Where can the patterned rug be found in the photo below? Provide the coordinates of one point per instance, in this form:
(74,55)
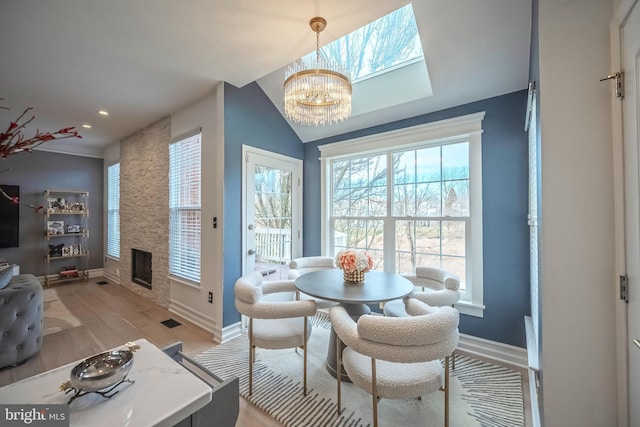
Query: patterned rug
(57,316)
(482,394)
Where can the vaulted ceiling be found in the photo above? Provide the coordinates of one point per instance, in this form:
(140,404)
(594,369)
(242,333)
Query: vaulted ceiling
(142,60)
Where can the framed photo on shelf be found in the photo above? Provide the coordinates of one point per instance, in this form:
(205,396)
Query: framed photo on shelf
(56,250)
(73,228)
(55,227)
(56,204)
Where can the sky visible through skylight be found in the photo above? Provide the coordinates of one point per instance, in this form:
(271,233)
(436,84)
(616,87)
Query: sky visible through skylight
(383,45)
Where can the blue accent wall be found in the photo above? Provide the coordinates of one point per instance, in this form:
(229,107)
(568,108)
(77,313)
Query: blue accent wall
(505,206)
(36,172)
(249,119)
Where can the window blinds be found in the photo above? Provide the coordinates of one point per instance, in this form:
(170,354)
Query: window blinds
(113,210)
(184,208)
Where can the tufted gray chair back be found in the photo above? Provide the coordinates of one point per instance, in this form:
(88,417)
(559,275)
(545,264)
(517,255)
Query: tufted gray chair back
(21,316)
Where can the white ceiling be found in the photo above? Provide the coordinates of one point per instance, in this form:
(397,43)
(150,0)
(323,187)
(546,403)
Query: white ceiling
(144,59)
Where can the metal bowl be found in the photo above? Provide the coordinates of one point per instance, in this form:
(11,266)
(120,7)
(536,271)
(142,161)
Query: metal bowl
(102,370)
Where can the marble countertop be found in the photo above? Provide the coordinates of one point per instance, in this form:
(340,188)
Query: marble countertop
(164,393)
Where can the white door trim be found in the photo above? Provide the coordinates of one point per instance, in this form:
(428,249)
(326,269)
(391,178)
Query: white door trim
(622,368)
(248,150)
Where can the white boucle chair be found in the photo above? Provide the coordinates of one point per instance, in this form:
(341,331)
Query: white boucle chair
(273,324)
(397,357)
(300,266)
(434,286)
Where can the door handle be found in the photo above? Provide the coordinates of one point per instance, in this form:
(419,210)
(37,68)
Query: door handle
(251,252)
(636,342)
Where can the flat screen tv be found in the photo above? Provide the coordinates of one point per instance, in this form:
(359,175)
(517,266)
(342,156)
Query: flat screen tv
(9,217)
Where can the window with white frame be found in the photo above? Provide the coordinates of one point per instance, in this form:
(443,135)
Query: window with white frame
(184,208)
(410,197)
(113,210)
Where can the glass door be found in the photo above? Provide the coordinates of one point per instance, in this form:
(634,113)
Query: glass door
(272,224)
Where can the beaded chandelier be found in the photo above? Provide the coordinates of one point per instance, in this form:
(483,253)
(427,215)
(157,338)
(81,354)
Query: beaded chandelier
(320,95)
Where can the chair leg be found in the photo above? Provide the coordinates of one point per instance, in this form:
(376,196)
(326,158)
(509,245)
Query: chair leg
(251,356)
(339,375)
(304,339)
(374,392)
(453,360)
(446,392)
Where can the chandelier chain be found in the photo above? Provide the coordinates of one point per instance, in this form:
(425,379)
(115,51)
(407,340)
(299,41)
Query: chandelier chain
(317,46)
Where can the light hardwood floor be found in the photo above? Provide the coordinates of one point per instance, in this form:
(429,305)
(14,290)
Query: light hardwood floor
(112,315)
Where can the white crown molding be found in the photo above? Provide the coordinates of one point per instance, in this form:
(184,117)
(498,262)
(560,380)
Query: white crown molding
(71,150)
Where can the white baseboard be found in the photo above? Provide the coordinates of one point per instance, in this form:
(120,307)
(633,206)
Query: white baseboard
(494,350)
(112,277)
(195,317)
(96,272)
(231,331)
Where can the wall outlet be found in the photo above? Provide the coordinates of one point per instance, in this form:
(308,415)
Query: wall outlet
(210,298)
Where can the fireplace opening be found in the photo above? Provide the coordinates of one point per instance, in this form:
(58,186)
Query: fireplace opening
(141,268)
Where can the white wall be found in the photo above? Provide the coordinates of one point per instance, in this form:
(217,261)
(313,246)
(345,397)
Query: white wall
(188,301)
(577,287)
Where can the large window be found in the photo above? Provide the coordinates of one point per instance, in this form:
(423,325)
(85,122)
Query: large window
(184,208)
(113,210)
(411,198)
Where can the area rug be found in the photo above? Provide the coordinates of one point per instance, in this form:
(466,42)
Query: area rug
(481,393)
(57,316)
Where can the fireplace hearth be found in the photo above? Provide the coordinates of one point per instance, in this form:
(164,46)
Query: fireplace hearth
(141,268)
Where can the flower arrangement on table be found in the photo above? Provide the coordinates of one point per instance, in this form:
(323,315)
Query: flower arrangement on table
(354,263)
(13,141)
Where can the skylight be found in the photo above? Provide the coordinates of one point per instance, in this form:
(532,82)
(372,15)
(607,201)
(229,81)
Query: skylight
(381,46)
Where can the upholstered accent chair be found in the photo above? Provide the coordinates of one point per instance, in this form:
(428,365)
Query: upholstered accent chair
(21,317)
(273,324)
(434,286)
(300,266)
(397,357)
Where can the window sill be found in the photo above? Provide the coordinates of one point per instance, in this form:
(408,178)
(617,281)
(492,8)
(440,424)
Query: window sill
(469,308)
(112,258)
(185,282)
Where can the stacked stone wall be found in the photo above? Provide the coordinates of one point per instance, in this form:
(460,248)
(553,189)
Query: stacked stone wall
(144,212)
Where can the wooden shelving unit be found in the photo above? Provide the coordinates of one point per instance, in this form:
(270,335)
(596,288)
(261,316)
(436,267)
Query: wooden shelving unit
(66,235)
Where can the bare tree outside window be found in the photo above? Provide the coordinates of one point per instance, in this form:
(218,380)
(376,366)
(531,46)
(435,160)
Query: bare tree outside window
(273,215)
(378,46)
(430,206)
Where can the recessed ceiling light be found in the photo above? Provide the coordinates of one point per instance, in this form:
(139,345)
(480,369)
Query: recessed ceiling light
(86,125)
(103,112)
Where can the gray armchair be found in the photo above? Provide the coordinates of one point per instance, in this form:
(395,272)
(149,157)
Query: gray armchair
(21,316)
